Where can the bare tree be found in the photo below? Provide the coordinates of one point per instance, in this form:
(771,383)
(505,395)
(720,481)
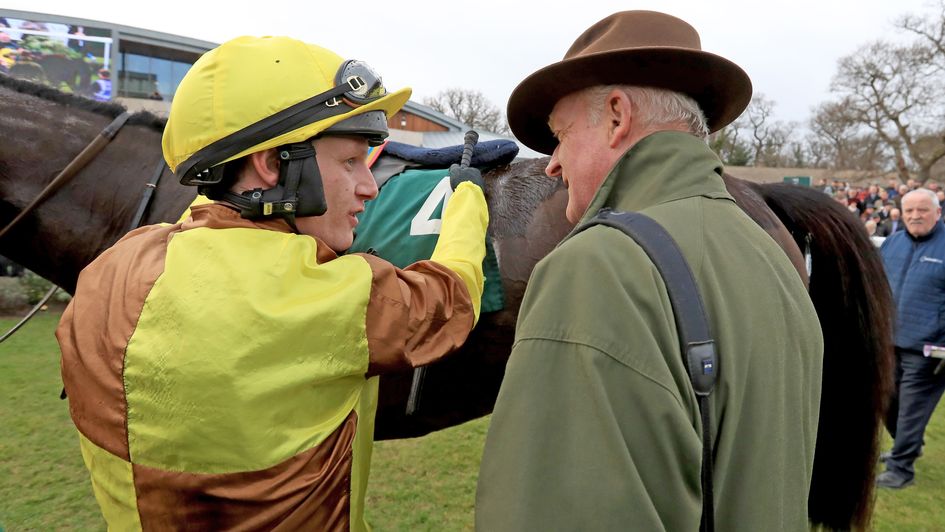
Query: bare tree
(895,91)
(840,141)
(818,152)
(469,107)
(767,138)
(727,143)
(799,155)
(930,31)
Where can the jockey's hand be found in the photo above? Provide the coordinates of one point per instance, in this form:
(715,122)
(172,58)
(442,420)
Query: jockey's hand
(458,175)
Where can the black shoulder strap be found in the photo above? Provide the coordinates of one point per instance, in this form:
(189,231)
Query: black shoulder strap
(696,343)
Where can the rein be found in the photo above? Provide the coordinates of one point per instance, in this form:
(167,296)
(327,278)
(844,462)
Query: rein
(71,169)
(79,162)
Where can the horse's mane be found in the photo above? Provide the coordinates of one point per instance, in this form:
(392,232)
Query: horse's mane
(142,118)
(854,304)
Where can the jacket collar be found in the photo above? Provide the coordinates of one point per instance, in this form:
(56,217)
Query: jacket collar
(936,229)
(662,167)
(221,216)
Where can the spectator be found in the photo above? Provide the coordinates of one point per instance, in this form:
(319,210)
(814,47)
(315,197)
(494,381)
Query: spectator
(871,226)
(915,266)
(883,195)
(841,198)
(903,190)
(891,224)
(853,200)
(77,42)
(884,209)
(892,188)
(872,195)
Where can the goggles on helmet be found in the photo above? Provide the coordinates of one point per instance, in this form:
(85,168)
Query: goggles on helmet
(366,85)
(356,84)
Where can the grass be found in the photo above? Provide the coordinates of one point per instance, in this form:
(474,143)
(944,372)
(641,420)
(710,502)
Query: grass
(426,483)
(43,484)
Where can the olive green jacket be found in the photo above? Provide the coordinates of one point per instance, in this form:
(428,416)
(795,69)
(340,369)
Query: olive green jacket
(596,426)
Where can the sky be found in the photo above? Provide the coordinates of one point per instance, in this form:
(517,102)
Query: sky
(790,49)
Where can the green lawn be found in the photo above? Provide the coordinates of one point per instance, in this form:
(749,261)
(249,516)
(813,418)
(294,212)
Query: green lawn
(421,484)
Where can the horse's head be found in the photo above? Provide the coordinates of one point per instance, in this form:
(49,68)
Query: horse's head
(526,210)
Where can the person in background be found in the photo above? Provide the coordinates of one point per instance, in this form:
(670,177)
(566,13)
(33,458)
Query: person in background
(853,200)
(872,195)
(871,226)
(892,187)
(891,224)
(597,426)
(902,191)
(882,209)
(914,260)
(223,372)
(883,195)
(101,88)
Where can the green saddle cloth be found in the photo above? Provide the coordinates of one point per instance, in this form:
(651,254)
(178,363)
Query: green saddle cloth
(402,226)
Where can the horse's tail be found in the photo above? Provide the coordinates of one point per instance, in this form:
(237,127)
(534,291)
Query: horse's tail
(854,304)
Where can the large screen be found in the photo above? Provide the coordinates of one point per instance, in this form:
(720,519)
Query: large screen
(70,58)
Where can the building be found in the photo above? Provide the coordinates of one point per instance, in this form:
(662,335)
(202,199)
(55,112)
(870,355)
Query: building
(141,70)
(420,125)
(138,68)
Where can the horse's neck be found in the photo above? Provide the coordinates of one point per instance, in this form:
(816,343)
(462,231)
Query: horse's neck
(92,209)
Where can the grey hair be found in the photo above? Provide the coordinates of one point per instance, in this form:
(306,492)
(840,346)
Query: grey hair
(926,192)
(659,107)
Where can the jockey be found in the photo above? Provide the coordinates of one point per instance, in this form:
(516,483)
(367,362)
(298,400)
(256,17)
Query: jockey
(223,372)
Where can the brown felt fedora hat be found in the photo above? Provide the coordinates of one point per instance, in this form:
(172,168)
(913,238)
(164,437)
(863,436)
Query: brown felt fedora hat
(642,48)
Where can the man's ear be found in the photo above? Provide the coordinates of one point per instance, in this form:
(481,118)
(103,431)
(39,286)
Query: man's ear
(619,114)
(266,165)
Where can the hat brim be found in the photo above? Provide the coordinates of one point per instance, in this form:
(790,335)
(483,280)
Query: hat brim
(720,87)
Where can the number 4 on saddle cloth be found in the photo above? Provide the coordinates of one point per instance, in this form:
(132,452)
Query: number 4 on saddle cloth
(402,224)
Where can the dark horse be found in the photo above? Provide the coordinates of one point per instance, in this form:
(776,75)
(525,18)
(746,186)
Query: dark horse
(44,130)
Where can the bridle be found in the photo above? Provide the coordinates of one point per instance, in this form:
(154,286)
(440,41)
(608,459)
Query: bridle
(74,167)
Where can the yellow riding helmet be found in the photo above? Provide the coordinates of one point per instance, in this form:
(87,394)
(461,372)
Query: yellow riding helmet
(255,93)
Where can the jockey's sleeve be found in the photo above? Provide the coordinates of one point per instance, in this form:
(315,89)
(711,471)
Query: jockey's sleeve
(462,243)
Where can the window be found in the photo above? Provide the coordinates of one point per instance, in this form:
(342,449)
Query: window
(147,71)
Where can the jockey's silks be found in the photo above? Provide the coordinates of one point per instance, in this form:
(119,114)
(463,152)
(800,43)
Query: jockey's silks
(221,371)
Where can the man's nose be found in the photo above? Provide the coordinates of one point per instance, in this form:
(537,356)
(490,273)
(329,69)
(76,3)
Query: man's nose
(366,186)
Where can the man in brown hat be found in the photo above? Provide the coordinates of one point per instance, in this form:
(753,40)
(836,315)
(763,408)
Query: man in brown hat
(597,426)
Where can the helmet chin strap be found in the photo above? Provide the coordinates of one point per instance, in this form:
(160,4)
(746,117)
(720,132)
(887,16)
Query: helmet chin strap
(298,193)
